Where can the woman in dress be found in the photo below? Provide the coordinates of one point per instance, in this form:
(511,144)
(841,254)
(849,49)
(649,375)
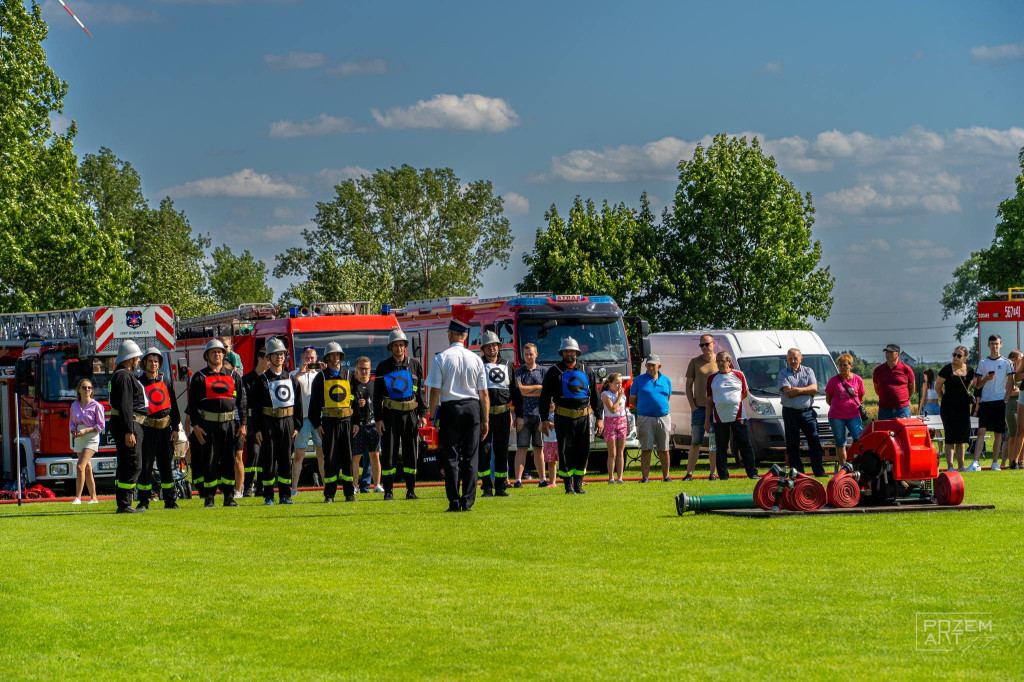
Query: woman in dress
(953,388)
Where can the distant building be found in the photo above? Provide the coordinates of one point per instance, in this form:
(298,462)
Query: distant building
(908,359)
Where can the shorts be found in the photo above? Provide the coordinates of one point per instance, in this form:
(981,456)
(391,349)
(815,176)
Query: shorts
(992,416)
(615,428)
(90,441)
(366,441)
(1011,417)
(653,432)
(530,435)
(930,409)
(305,433)
(550,451)
(840,427)
(697,425)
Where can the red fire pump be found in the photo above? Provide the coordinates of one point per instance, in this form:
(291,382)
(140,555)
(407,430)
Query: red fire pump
(893,462)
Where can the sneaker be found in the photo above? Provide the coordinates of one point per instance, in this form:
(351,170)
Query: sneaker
(667,479)
(295,492)
(501,493)
(518,484)
(238,495)
(388,497)
(287,500)
(688,477)
(77,500)
(249,492)
(268,502)
(378,488)
(619,482)
(995,466)
(230,502)
(364,490)
(411,495)
(94,501)
(644,479)
(328,500)
(611,481)
(209,504)
(543,483)
(349,498)
(974,466)
(712,477)
(1014,465)
(948,469)
(962,469)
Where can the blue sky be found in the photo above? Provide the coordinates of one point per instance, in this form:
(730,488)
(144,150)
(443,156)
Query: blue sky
(903,119)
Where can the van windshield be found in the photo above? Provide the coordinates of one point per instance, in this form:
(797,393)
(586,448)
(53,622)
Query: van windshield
(762,372)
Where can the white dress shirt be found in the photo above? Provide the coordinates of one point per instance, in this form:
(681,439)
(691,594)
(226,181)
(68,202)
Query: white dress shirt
(458,372)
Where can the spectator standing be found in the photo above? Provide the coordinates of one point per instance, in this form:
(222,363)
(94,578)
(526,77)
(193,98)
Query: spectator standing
(649,394)
(726,390)
(615,425)
(894,384)
(304,375)
(1012,393)
(844,394)
(365,440)
(551,453)
(697,373)
(799,386)
(87,423)
(991,379)
(955,402)
(231,357)
(530,376)
(929,398)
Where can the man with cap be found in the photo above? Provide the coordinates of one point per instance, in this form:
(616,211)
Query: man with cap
(276,415)
(400,409)
(252,446)
(576,394)
(127,410)
(458,384)
(504,395)
(159,430)
(214,399)
(330,413)
(894,384)
(649,395)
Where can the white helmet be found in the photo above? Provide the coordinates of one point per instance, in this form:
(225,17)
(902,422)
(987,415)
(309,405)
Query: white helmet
(334,347)
(397,335)
(276,345)
(215,344)
(127,350)
(568,343)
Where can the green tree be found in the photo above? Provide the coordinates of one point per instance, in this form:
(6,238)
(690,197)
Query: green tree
(330,276)
(420,234)
(615,251)
(55,256)
(237,279)
(987,272)
(741,247)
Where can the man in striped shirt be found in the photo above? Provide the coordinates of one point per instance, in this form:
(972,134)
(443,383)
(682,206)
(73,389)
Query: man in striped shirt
(726,390)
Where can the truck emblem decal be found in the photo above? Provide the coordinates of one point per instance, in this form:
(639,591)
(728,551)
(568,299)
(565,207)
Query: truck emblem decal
(133,318)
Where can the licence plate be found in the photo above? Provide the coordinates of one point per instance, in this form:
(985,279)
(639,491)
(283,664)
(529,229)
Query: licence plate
(108,465)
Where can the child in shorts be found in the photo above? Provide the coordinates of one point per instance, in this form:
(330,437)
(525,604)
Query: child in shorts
(614,399)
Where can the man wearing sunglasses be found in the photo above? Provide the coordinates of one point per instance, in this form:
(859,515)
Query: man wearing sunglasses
(894,384)
(697,373)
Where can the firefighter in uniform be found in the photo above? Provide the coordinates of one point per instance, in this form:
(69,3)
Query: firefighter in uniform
(276,415)
(252,446)
(458,383)
(575,392)
(159,430)
(214,398)
(330,413)
(401,410)
(127,410)
(504,394)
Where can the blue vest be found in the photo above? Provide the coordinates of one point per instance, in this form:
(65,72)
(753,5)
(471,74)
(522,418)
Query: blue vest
(575,385)
(399,384)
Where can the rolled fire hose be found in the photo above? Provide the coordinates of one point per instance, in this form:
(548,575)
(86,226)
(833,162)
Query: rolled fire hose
(807,494)
(764,490)
(843,491)
(685,503)
(949,488)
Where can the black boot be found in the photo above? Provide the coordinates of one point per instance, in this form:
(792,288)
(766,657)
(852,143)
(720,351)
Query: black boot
(501,486)
(569,489)
(143,504)
(410,488)
(487,487)
(577,484)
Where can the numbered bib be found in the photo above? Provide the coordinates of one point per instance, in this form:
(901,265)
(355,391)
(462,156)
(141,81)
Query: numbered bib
(282,393)
(337,393)
(220,387)
(157,397)
(497,375)
(574,385)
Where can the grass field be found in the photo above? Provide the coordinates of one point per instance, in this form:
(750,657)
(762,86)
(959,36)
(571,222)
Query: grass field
(540,585)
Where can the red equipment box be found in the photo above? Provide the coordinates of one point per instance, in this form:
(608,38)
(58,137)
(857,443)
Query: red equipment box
(904,442)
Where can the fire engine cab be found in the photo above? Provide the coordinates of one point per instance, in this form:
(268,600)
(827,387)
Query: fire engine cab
(42,357)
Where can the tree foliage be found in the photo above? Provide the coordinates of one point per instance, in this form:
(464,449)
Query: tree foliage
(404,234)
(55,255)
(740,243)
(615,251)
(236,279)
(991,270)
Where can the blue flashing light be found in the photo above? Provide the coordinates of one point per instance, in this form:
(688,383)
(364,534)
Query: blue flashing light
(602,299)
(385,309)
(528,300)
(293,311)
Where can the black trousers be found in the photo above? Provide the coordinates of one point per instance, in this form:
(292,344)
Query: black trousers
(275,463)
(129,462)
(741,439)
(156,447)
(400,432)
(197,464)
(460,448)
(798,421)
(337,456)
(219,453)
(573,435)
(495,447)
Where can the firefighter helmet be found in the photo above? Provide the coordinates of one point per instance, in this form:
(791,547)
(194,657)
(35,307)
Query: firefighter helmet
(127,350)
(489,338)
(568,343)
(334,347)
(276,345)
(153,350)
(215,344)
(397,335)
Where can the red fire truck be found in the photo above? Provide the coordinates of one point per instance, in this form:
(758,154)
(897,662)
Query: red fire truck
(42,357)
(543,319)
(1005,318)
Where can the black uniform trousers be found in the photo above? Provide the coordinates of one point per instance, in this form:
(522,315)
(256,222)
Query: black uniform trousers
(218,452)
(337,441)
(460,448)
(400,431)
(737,430)
(573,435)
(495,447)
(276,454)
(129,462)
(156,447)
(197,464)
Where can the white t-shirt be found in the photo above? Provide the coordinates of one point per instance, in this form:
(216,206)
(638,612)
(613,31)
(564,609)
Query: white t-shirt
(459,374)
(550,437)
(305,383)
(612,397)
(996,388)
(727,389)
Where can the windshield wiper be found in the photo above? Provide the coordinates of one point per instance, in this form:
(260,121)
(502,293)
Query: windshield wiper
(764,391)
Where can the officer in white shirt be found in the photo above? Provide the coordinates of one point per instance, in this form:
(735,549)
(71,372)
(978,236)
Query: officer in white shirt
(458,382)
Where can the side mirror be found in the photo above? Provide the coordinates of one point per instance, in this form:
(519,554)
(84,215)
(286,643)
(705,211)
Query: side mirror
(645,345)
(22,376)
(417,347)
(645,328)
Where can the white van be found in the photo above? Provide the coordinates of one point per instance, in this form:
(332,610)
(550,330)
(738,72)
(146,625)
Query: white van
(760,355)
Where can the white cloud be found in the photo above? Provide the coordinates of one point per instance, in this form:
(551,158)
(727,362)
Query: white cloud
(97,14)
(295,60)
(772,67)
(360,68)
(516,204)
(998,54)
(58,123)
(981,140)
(870,246)
(283,212)
(452,112)
(244,183)
(327,178)
(318,125)
(868,201)
(920,249)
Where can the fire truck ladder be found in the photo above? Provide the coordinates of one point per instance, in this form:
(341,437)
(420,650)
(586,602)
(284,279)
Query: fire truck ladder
(247,312)
(51,324)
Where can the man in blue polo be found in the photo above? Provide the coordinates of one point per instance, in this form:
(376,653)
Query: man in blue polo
(798,386)
(649,394)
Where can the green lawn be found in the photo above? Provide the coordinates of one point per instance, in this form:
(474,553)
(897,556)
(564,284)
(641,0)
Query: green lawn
(540,585)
